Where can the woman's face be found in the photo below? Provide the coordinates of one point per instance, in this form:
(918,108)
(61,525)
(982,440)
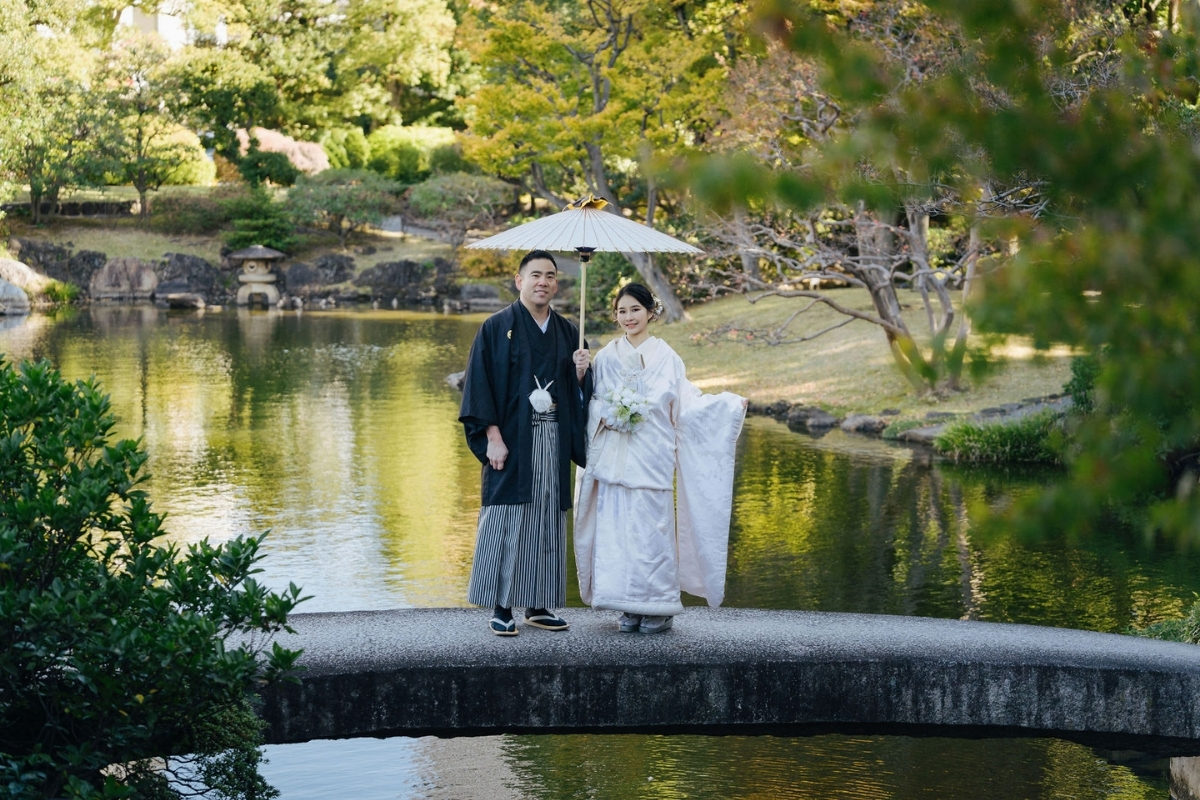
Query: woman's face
(632,316)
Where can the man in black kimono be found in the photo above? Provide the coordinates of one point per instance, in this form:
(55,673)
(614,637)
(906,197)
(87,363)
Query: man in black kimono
(524,408)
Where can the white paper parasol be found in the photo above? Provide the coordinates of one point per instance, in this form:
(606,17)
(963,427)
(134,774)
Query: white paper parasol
(585,227)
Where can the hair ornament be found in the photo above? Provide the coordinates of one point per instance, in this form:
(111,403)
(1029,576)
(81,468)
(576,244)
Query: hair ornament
(657,311)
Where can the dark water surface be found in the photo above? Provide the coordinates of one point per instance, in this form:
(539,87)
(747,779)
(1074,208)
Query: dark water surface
(337,432)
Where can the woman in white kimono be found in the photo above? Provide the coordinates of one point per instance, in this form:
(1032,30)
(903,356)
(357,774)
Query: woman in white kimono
(652,508)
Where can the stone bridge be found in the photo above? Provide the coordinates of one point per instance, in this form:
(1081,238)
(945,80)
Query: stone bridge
(440,672)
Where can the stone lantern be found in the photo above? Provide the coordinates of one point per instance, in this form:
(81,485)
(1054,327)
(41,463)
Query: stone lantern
(256,276)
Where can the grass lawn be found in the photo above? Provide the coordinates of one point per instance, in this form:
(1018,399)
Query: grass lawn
(849,369)
(117,237)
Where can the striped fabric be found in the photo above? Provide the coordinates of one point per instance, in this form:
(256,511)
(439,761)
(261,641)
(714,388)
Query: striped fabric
(521,550)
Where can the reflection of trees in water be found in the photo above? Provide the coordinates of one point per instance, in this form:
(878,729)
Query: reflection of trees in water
(893,532)
(623,767)
(339,424)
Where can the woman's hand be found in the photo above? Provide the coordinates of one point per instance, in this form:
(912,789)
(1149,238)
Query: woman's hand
(583,360)
(745,403)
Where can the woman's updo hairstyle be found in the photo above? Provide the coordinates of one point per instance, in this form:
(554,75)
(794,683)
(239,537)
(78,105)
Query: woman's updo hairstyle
(642,295)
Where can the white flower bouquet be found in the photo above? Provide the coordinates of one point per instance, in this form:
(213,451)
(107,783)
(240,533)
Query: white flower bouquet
(624,409)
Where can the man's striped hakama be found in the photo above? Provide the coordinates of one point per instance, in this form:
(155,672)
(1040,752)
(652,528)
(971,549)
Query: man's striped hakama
(521,549)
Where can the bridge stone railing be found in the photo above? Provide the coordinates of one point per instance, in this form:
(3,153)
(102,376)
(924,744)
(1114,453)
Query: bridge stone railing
(439,671)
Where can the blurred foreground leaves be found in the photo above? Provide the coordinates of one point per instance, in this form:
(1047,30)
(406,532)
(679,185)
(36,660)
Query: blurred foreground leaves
(1092,108)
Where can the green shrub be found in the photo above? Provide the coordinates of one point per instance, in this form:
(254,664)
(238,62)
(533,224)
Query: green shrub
(259,166)
(456,202)
(898,427)
(404,153)
(449,158)
(115,646)
(347,148)
(183,214)
(343,200)
(1030,439)
(1082,384)
(1184,629)
(61,293)
(487,263)
(199,213)
(195,167)
(258,219)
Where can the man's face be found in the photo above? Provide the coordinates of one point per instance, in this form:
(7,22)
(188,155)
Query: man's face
(538,283)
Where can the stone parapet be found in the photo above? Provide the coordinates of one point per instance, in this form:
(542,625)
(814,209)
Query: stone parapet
(440,671)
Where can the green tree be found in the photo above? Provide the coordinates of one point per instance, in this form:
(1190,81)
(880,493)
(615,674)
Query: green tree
(57,133)
(331,65)
(115,648)
(343,201)
(222,91)
(1095,103)
(143,96)
(576,93)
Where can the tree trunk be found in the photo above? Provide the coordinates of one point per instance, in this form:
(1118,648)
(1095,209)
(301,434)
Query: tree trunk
(939,328)
(958,352)
(749,261)
(35,206)
(918,246)
(51,197)
(876,251)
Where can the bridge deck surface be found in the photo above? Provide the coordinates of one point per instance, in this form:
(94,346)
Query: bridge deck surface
(440,671)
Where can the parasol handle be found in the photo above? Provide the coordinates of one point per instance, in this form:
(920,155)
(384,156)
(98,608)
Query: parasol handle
(585,255)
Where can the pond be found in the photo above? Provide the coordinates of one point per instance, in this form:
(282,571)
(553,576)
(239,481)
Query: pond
(337,432)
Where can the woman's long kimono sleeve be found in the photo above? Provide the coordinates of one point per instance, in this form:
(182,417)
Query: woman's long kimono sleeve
(706,442)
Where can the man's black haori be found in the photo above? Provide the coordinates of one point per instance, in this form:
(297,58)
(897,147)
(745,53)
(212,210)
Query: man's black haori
(500,376)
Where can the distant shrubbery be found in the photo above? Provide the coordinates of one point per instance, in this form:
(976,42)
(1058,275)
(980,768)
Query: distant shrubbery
(253,213)
(487,263)
(259,166)
(1082,385)
(1184,629)
(1031,439)
(199,213)
(347,148)
(258,219)
(195,168)
(343,200)
(456,202)
(406,154)
(447,192)
(187,215)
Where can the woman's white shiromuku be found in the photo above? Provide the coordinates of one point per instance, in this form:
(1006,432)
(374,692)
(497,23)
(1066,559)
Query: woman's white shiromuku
(652,508)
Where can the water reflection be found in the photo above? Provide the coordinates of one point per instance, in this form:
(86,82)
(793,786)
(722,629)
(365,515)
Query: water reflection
(678,767)
(879,528)
(337,432)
